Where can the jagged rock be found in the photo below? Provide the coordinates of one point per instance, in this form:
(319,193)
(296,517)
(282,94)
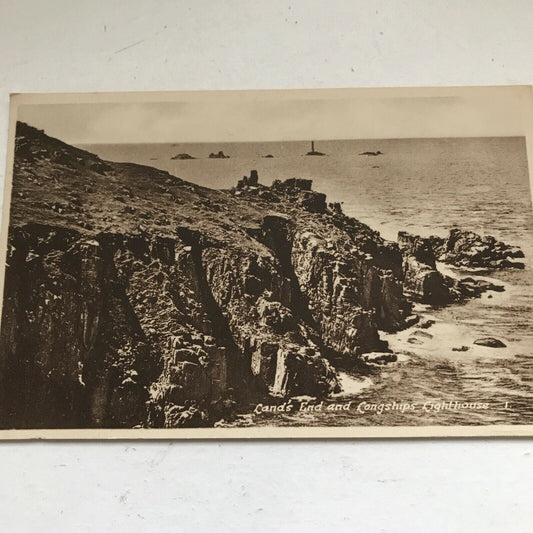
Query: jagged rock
(293,183)
(269,196)
(335,207)
(468,249)
(251,181)
(177,416)
(219,155)
(298,373)
(411,320)
(468,287)
(491,342)
(424,283)
(421,334)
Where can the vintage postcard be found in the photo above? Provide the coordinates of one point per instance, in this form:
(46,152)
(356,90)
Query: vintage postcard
(268,264)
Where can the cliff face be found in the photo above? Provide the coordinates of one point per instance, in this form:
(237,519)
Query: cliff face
(133,298)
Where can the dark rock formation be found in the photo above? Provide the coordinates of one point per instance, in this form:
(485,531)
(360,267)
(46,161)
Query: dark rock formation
(252,181)
(491,342)
(424,283)
(372,153)
(144,300)
(268,156)
(468,249)
(183,156)
(336,207)
(292,184)
(219,155)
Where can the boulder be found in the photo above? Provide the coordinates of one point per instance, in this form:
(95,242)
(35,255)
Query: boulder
(421,334)
(490,342)
(314,202)
(461,349)
(379,358)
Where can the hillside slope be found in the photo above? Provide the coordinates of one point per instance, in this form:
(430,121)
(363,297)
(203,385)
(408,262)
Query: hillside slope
(134,298)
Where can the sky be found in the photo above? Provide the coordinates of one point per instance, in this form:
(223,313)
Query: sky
(278,115)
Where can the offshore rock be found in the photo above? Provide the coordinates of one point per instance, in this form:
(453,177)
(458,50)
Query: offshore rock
(182,156)
(218,155)
(491,342)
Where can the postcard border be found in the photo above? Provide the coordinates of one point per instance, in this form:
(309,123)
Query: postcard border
(263,432)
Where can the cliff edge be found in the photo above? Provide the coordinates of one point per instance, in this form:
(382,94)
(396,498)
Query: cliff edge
(134,298)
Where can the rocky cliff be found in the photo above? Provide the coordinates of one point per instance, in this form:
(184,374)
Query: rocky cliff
(424,283)
(134,298)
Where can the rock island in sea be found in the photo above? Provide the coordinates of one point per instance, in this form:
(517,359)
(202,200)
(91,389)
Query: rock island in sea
(136,299)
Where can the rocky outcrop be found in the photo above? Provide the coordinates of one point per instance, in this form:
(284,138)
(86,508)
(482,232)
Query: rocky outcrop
(251,181)
(468,249)
(424,283)
(183,156)
(344,273)
(134,298)
(491,342)
(300,191)
(219,155)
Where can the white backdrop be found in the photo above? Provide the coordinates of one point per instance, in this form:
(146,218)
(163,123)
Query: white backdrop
(436,485)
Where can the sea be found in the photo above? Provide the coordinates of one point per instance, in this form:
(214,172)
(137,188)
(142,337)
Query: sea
(423,186)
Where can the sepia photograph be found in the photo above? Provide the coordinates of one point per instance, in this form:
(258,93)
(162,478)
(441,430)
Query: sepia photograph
(240,264)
